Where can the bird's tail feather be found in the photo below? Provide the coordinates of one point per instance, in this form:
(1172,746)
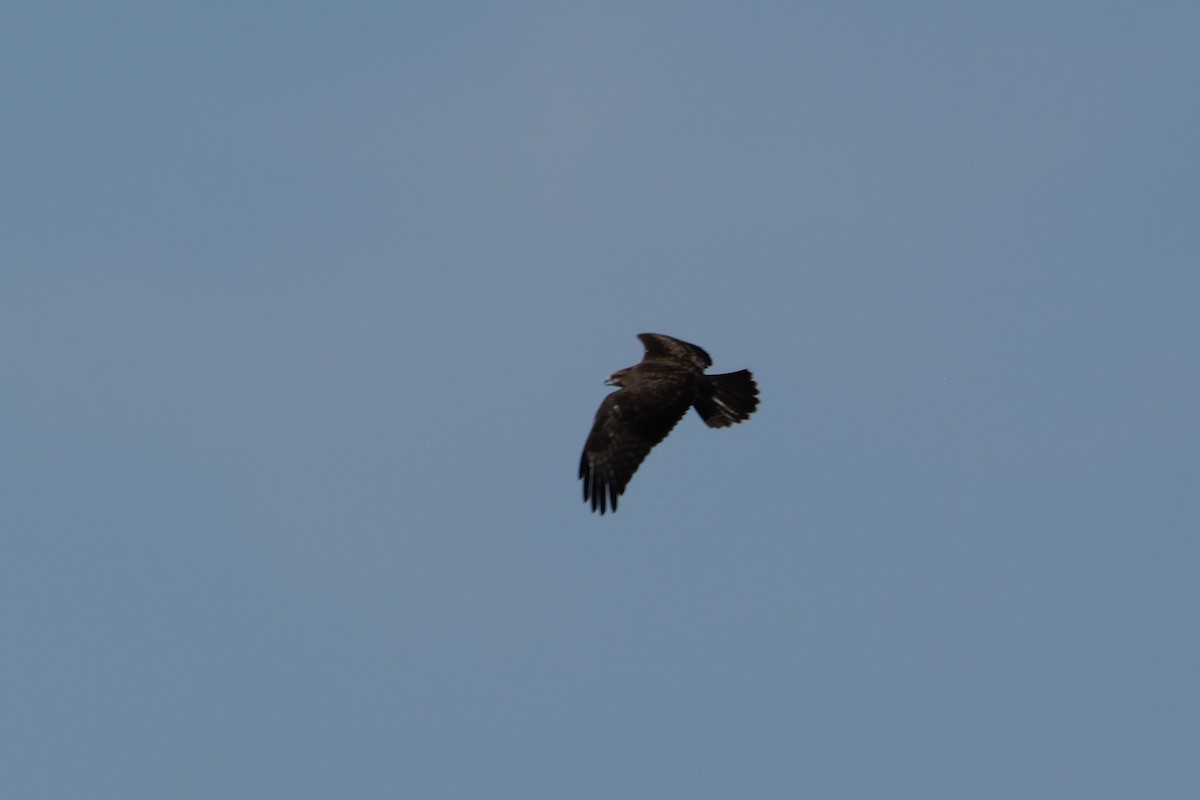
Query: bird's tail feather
(728,398)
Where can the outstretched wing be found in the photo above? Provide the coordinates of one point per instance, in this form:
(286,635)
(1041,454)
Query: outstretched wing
(659,346)
(628,424)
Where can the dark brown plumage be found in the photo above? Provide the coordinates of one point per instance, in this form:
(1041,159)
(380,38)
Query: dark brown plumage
(654,395)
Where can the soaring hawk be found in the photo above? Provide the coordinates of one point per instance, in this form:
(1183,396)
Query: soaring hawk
(654,395)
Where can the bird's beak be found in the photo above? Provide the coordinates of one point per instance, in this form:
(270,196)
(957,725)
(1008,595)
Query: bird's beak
(611,380)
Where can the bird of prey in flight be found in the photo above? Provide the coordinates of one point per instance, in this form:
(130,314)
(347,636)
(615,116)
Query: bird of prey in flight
(654,394)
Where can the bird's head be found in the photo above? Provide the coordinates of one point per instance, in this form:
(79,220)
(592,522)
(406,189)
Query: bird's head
(617,378)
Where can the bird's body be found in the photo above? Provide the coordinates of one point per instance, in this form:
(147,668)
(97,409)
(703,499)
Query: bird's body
(653,396)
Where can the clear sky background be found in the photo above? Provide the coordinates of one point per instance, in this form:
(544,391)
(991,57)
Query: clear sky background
(305,310)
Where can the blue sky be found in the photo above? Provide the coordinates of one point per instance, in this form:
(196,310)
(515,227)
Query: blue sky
(306,310)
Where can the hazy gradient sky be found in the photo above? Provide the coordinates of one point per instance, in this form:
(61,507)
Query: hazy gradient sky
(305,310)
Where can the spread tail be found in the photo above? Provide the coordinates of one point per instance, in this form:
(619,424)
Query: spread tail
(726,399)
